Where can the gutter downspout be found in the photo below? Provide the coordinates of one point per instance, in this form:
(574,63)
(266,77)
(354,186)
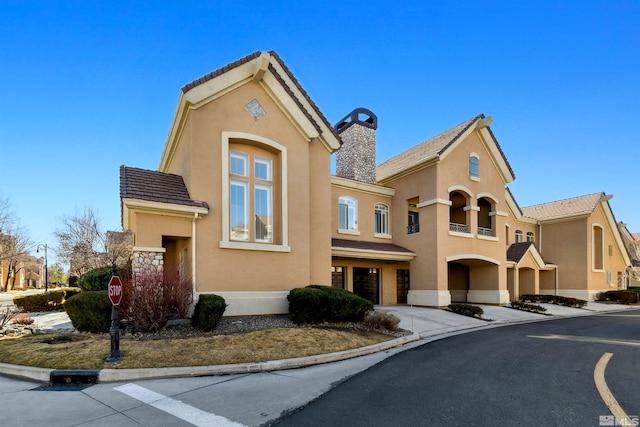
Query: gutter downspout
(556,280)
(193,260)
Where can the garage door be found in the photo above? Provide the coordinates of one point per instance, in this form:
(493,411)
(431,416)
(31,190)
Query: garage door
(366,283)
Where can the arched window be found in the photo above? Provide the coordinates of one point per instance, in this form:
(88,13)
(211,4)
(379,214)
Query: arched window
(381,218)
(519,236)
(458,220)
(348,213)
(485,219)
(530,236)
(474,166)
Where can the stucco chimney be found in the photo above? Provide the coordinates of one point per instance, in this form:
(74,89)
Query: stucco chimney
(357,158)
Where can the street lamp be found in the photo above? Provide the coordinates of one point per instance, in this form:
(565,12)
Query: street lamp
(46,268)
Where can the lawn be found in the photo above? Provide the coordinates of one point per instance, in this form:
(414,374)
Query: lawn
(88,351)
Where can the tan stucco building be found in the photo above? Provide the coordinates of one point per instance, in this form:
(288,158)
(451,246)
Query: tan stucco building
(244,204)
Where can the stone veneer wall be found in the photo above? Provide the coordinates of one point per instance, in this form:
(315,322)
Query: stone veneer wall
(357,158)
(147,262)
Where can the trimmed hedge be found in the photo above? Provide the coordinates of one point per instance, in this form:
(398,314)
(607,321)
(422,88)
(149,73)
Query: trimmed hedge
(69,292)
(555,299)
(467,310)
(316,303)
(623,297)
(208,311)
(48,301)
(520,305)
(98,279)
(90,311)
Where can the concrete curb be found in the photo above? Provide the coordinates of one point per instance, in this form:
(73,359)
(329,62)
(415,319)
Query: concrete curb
(114,375)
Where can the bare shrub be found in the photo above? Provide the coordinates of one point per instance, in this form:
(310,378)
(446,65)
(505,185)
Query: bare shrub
(380,319)
(151,298)
(23,319)
(7,314)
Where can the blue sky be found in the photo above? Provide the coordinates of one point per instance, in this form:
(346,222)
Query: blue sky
(88,86)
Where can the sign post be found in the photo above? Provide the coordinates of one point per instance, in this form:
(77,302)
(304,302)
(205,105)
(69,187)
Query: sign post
(115,296)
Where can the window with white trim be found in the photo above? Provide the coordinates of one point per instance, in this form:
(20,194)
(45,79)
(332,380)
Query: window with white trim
(530,236)
(251,194)
(519,236)
(474,166)
(348,213)
(381,218)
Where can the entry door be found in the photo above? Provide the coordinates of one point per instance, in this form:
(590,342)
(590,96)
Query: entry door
(402,283)
(366,283)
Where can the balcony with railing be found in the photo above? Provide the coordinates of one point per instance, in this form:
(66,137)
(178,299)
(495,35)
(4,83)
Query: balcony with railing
(413,228)
(488,232)
(458,228)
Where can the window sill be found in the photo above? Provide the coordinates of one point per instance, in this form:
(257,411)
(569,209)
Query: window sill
(351,232)
(382,236)
(474,178)
(246,246)
(458,234)
(491,238)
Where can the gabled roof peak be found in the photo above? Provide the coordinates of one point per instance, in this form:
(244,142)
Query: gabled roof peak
(573,206)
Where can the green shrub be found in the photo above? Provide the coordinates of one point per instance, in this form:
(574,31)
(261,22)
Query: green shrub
(208,311)
(90,311)
(69,292)
(316,303)
(98,279)
(467,310)
(48,301)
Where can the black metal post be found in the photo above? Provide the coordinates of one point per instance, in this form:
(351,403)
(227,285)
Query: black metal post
(115,355)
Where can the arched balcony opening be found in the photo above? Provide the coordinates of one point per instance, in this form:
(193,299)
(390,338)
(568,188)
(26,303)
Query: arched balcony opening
(486,226)
(458,215)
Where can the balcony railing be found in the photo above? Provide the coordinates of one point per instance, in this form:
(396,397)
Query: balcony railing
(413,228)
(458,228)
(483,231)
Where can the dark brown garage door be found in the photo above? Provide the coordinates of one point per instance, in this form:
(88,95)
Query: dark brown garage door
(366,283)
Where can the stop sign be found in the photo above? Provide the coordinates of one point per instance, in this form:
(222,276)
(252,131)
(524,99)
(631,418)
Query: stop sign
(115,290)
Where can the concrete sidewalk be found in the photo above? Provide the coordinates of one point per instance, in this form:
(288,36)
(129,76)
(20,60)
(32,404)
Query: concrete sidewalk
(425,323)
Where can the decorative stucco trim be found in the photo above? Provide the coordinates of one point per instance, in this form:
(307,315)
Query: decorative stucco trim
(460,188)
(486,195)
(488,296)
(459,234)
(459,257)
(383,236)
(429,298)
(362,187)
(157,208)
(434,202)
(349,232)
(499,213)
(490,238)
(340,252)
(147,249)
(471,208)
(284,185)
(253,303)
(248,246)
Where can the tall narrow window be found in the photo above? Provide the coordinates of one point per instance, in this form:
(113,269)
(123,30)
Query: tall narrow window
(348,213)
(598,248)
(413,219)
(250,196)
(381,219)
(529,236)
(474,166)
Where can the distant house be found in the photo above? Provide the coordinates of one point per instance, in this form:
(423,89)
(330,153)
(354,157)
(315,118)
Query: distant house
(244,204)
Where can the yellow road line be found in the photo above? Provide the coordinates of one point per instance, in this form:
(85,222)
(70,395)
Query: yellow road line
(611,402)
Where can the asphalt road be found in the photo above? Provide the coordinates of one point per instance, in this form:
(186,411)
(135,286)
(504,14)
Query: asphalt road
(536,374)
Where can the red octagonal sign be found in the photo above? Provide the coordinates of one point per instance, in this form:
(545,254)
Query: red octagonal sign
(115,290)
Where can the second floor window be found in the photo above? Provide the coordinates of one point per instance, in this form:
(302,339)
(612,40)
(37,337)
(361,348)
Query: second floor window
(381,219)
(474,167)
(519,236)
(251,198)
(529,236)
(348,213)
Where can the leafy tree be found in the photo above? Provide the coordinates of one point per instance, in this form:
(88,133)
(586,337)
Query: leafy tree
(57,274)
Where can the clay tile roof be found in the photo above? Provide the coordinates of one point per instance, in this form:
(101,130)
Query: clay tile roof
(295,81)
(155,186)
(427,149)
(582,205)
(370,246)
(517,250)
